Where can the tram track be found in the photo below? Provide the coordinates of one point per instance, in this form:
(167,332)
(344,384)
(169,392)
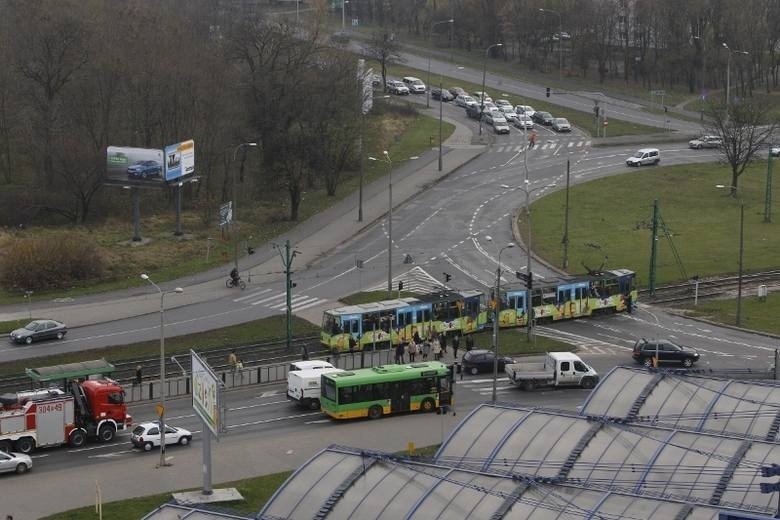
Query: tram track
(710,288)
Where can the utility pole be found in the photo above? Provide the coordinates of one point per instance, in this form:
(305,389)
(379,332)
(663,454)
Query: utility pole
(566,219)
(653,248)
(287,259)
(768,189)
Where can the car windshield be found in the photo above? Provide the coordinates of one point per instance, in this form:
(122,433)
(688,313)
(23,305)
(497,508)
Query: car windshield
(33,325)
(545,115)
(138,430)
(638,154)
(417,82)
(561,121)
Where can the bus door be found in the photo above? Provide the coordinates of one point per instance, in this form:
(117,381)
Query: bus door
(399,397)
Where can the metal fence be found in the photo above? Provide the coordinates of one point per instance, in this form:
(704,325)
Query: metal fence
(177,386)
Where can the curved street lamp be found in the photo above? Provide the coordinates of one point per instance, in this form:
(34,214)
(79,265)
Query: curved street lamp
(177,290)
(728,70)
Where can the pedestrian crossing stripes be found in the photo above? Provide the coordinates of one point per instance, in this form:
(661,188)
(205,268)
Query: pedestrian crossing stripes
(416,280)
(278,301)
(549,145)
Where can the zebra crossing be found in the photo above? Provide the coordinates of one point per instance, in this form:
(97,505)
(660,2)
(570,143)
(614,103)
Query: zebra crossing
(547,145)
(278,301)
(416,280)
(484,387)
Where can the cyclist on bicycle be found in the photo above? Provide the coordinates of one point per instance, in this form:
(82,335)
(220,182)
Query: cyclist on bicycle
(234,276)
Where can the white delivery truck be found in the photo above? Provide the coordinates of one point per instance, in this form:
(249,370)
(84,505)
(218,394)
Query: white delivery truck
(303,386)
(557,369)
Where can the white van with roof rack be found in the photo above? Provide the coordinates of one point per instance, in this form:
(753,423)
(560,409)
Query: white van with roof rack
(414,85)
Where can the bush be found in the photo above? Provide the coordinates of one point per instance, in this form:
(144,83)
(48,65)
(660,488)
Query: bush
(49,263)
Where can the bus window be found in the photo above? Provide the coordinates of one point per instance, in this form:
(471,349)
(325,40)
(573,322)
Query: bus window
(329,389)
(346,395)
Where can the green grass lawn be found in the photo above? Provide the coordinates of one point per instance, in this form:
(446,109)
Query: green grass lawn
(258,331)
(610,219)
(756,314)
(403,134)
(514,342)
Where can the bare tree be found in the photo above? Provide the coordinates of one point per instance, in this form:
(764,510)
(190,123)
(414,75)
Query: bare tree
(384,49)
(744,129)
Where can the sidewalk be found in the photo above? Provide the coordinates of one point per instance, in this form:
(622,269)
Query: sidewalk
(314,237)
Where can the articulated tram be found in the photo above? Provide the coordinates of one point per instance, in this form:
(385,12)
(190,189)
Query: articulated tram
(387,323)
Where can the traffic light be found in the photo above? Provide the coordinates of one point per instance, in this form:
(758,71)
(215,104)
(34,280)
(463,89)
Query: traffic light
(400,286)
(548,91)
(521,276)
(447,277)
(293,284)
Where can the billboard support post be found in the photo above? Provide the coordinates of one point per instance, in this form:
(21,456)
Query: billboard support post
(136,213)
(178,231)
(207,489)
(207,403)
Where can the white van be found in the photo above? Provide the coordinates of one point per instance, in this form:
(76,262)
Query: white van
(309,365)
(303,386)
(415,85)
(644,156)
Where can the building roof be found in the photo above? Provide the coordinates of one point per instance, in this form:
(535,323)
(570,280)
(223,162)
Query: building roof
(690,401)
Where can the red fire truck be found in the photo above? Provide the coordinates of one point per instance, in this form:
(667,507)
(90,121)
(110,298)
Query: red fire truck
(91,409)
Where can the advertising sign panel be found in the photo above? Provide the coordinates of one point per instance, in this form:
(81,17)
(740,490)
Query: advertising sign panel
(179,160)
(125,165)
(205,393)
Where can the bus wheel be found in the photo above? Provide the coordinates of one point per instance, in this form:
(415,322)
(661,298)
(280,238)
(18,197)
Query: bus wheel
(375,412)
(427,406)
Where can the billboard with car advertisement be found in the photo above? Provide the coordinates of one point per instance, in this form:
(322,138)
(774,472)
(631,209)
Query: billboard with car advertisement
(125,165)
(206,393)
(179,160)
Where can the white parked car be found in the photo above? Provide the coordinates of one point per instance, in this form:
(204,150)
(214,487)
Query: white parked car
(525,109)
(415,85)
(147,436)
(464,101)
(503,103)
(706,141)
(774,151)
(15,462)
(478,96)
(509,112)
(397,88)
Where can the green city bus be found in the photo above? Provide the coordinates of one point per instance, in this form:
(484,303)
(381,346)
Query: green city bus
(383,390)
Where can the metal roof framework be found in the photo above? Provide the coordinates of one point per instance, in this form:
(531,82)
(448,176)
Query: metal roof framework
(342,482)
(78,370)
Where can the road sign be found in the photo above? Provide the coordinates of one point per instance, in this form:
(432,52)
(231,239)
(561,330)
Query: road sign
(160,410)
(606,122)
(657,92)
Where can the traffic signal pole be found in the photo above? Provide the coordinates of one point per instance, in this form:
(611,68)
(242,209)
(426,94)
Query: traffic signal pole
(287,259)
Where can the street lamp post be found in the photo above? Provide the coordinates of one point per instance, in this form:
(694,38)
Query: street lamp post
(728,70)
(362,115)
(428,84)
(496,311)
(389,163)
(343,4)
(484,73)
(235,196)
(177,290)
(738,319)
(560,40)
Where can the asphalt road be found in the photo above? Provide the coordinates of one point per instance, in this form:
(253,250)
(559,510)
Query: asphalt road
(267,433)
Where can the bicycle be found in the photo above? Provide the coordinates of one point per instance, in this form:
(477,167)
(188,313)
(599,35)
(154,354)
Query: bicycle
(230,283)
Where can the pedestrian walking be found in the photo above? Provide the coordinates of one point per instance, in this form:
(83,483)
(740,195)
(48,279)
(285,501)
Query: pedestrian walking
(443,342)
(455,345)
(416,338)
(232,360)
(399,354)
(412,351)
(532,140)
(426,349)
(138,375)
(436,348)
(469,342)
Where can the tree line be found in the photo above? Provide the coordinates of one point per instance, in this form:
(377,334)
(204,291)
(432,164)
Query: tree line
(79,75)
(650,43)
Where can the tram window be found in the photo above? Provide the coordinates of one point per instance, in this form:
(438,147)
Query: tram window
(536,298)
(440,311)
(549,298)
(370,321)
(579,293)
(472,307)
(385,320)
